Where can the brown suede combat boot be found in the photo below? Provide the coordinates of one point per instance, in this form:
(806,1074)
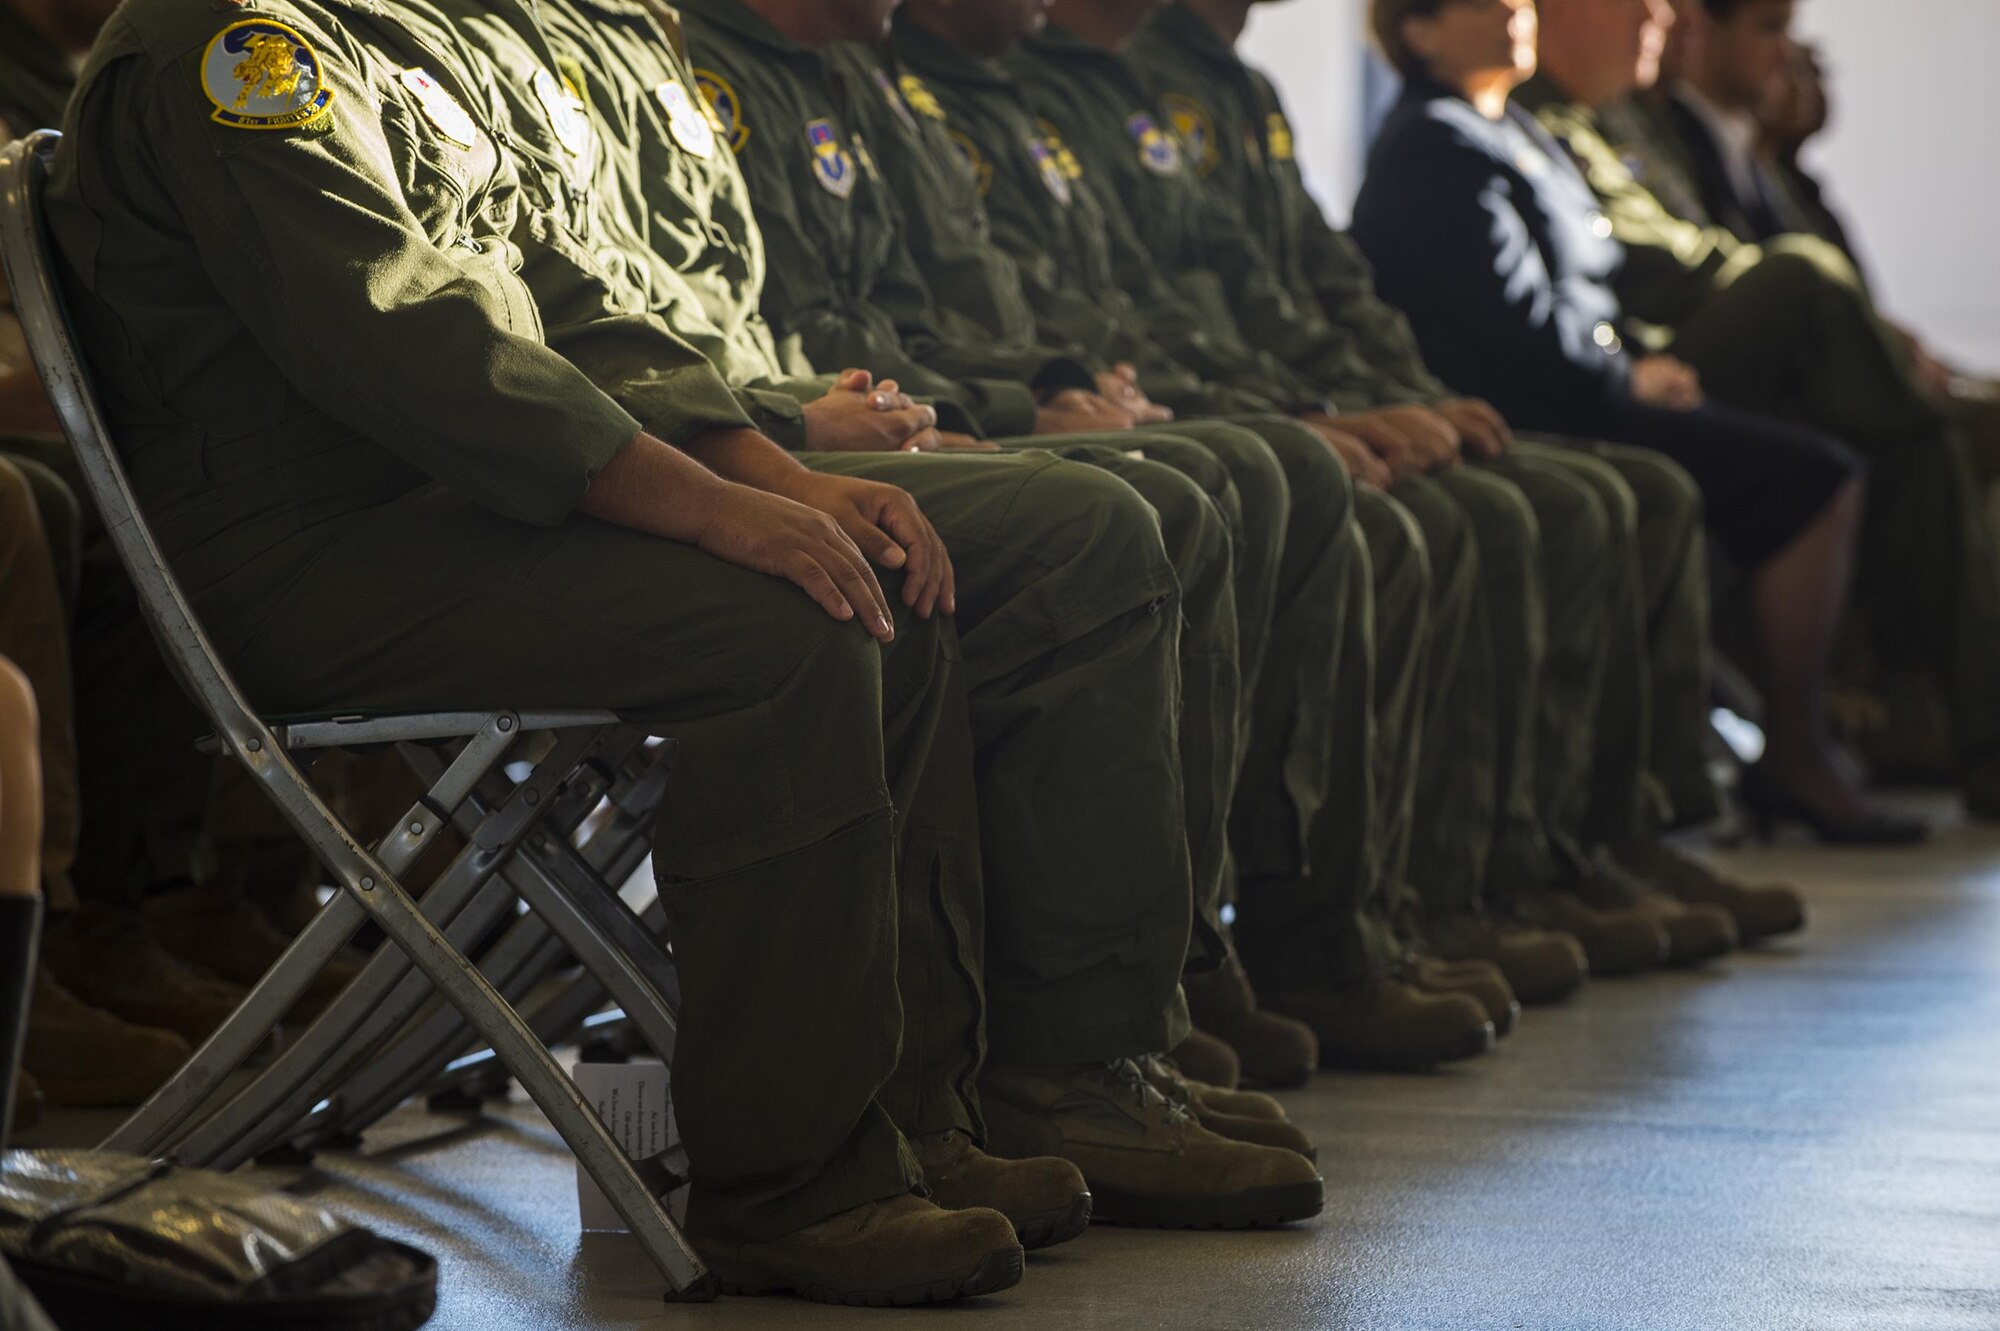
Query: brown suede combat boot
(1147,1160)
(1617,942)
(1275,1051)
(1386,1025)
(106,956)
(1541,965)
(1764,911)
(892,1253)
(1202,1055)
(1044,1198)
(86,1058)
(1695,933)
(1266,1127)
(1481,980)
(234,939)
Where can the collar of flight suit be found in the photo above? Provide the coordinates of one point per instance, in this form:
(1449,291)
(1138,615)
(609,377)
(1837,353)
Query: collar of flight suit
(1191,33)
(944,60)
(744,22)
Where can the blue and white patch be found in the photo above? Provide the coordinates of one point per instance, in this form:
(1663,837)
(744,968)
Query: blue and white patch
(832,165)
(263,75)
(1049,166)
(693,129)
(724,106)
(567,115)
(1159,151)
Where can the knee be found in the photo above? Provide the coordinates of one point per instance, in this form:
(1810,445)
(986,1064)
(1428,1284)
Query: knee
(1079,514)
(1398,553)
(1251,465)
(1322,491)
(17,497)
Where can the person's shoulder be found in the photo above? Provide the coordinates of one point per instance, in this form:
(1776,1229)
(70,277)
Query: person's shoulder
(166,31)
(1422,125)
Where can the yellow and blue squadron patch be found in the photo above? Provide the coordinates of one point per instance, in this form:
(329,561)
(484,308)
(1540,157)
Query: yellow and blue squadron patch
(693,128)
(975,161)
(1278,137)
(567,115)
(263,75)
(1071,168)
(725,106)
(920,98)
(1159,151)
(832,165)
(1191,122)
(447,117)
(1049,166)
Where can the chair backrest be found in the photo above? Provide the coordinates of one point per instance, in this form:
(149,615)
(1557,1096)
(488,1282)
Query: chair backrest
(38,301)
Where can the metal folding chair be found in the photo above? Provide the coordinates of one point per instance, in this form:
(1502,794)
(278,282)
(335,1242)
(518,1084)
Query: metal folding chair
(521,841)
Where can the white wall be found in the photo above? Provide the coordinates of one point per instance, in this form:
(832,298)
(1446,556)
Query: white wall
(1316,52)
(1913,158)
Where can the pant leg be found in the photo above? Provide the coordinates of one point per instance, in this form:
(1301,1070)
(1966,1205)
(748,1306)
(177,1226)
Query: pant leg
(1663,504)
(1476,793)
(1068,611)
(35,636)
(1591,706)
(1792,333)
(778,847)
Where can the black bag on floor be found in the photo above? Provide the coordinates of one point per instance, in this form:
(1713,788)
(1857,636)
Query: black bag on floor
(111,1242)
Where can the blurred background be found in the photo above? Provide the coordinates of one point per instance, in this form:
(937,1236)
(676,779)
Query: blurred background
(1913,155)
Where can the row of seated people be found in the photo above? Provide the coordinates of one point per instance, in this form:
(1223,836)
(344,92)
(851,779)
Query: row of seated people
(471,351)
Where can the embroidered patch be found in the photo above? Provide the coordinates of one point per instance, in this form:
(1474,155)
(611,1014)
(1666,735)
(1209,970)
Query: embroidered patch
(690,126)
(894,99)
(447,117)
(1190,120)
(263,75)
(1278,137)
(1071,168)
(920,98)
(975,162)
(563,106)
(865,158)
(1159,152)
(831,164)
(726,106)
(1050,169)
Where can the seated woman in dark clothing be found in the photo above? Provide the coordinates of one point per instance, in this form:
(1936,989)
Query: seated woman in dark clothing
(1482,231)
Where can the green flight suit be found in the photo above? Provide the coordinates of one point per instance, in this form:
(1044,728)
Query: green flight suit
(1113,121)
(1305,292)
(667,198)
(1312,840)
(333,393)
(1788,329)
(842,284)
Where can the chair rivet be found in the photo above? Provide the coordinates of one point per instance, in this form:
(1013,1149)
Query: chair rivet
(506,723)
(254,745)
(367,884)
(416,829)
(533,797)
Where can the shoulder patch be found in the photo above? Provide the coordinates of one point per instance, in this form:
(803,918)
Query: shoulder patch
(693,128)
(1049,166)
(447,117)
(725,108)
(563,105)
(1191,122)
(1066,160)
(1278,137)
(1159,151)
(263,75)
(920,98)
(975,162)
(832,165)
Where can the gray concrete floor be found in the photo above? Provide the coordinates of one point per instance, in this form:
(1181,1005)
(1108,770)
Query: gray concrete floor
(1805,1138)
